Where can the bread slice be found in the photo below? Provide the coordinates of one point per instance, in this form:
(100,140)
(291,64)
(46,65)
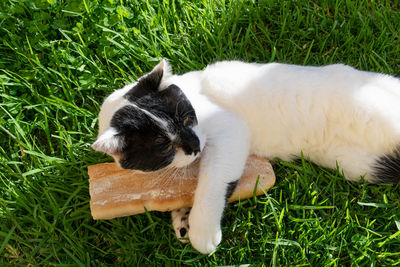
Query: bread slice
(116,192)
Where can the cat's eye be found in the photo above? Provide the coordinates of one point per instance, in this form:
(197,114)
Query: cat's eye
(167,150)
(187,121)
(160,140)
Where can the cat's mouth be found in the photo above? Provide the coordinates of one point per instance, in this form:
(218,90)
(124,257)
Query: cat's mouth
(182,160)
(196,160)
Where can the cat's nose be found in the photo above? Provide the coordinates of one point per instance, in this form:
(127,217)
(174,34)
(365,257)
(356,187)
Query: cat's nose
(191,147)
(190,143)
(196,151)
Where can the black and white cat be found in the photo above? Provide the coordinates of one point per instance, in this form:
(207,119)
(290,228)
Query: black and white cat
(331,114)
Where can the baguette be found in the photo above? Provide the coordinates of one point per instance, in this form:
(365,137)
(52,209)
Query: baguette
(116,192)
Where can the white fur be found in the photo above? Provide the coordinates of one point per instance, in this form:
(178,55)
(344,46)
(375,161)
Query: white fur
(107,143)
(111,104)
(331,114)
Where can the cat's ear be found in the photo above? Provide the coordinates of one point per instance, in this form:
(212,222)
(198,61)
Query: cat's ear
(150,82)
(166,67)
(108,142)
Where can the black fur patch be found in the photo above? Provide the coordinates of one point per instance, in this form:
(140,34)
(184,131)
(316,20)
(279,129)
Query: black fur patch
(229,190)
(145,85)
(182,232)
(146,143)
(387,168)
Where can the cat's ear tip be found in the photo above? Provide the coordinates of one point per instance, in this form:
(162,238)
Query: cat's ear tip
(97,145)
(163,65)
(100,146)
(160,64)
(164,60)
(107,142)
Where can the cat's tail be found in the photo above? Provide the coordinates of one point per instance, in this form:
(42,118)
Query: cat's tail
(387,168)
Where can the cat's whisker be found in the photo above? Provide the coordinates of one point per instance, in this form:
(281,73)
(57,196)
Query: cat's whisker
(168,177)
(161,178)
(185,172)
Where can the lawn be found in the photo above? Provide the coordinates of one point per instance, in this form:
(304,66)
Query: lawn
(60,58)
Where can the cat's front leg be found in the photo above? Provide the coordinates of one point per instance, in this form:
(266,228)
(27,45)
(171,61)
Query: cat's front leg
(222,163)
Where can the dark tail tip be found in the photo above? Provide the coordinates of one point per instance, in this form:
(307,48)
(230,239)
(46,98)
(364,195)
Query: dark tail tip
(387,168)
(229,190)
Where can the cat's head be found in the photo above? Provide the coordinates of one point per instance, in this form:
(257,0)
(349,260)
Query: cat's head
(149,125)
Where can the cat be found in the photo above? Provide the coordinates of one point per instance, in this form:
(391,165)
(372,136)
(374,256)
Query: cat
(334,115)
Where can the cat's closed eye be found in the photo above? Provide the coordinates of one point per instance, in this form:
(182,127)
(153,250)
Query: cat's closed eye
(187,121)
(164,145)
(159,140)
(167,149)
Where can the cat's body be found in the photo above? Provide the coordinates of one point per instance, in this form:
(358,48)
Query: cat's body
(332,114)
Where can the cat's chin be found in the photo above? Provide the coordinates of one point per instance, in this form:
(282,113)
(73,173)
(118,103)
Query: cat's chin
(182,160)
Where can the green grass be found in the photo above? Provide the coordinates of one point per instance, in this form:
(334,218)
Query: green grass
(59,59)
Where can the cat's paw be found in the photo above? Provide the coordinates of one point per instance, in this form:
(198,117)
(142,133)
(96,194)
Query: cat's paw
(180,222)
(205,231)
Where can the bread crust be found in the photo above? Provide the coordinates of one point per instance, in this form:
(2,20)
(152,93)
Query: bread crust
(116,192)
